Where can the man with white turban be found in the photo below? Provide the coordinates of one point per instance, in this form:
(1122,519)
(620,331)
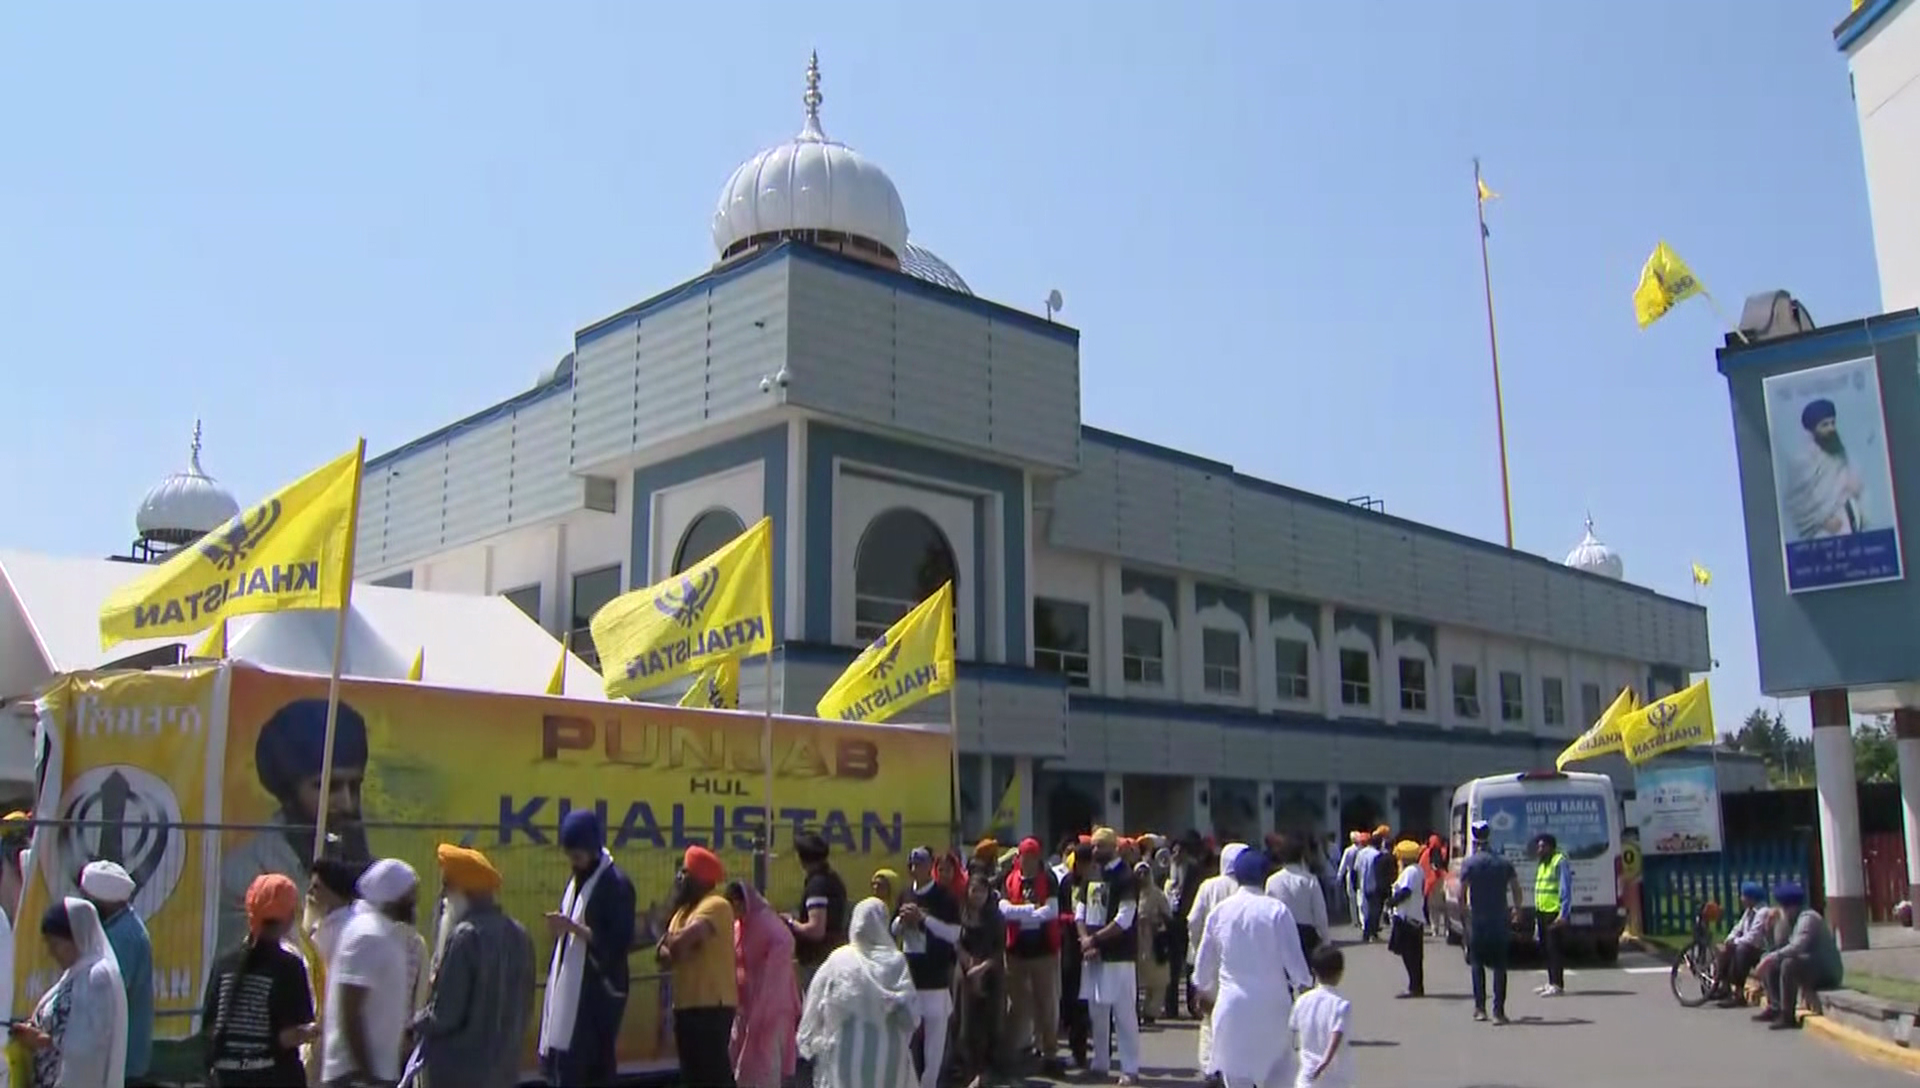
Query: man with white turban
(368,1002)
(110,889)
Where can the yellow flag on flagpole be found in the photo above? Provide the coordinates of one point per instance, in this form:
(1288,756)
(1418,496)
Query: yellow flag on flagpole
(214,646)
(912,661)
(419,666)
(1665,281)
(1681,720)
(557,683)
(289,551)
(1603,736)
(1702,576)
(1006,815)
(718,688)
(718,608)
(1486,194)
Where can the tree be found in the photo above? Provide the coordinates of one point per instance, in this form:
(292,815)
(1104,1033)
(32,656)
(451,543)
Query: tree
(1875,759)
(1789,759)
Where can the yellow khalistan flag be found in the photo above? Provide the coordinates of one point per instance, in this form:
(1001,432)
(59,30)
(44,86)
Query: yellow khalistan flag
(292,550)
(214,646)
(1006,815)
(718,688)
(1681,720)
(718,608)
(1702,576)
(912,661)
(557,683)
(1665,281)
(419,667)
(1603,736)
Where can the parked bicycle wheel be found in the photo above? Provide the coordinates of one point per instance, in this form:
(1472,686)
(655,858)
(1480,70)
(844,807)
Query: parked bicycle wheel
(1692,978)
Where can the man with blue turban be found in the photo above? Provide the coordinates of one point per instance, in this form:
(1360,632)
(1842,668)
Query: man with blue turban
(1805,958)
(588,976)
(1820,493)
(1750,938)
(287,759)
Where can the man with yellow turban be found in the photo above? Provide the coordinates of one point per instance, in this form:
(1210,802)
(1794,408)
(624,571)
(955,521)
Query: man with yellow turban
(1408,903)
(475,1019)
(1106,904)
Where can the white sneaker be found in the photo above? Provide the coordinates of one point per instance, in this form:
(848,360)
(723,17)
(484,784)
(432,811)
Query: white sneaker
(1551,991)
(1541,991)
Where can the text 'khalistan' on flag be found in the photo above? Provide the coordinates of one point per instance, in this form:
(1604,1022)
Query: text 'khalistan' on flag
(912,661)
(292,551)
(720,607)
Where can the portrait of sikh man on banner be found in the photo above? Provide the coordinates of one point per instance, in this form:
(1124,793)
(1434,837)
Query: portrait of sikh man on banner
(287,760)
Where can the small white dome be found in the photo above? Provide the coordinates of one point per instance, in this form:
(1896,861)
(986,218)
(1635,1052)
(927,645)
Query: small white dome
(1596,558)
(812,188)
(186,505)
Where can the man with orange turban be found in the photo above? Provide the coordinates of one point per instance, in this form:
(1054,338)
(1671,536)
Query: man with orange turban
(475,1018)
(259,1006)
(698,949)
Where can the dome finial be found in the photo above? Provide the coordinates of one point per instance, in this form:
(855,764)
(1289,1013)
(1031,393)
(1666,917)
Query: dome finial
(813,98)
(193,452)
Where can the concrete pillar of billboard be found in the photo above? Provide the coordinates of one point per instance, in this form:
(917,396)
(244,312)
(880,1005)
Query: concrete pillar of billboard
(1906,740)
(1845,876)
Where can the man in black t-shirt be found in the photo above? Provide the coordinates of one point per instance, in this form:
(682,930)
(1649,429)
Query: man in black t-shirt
(820,925)
(928,926)
(258,1007)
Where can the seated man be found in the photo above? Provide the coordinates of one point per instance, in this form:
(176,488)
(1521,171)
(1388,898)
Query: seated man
(1805,957)
(1751,937)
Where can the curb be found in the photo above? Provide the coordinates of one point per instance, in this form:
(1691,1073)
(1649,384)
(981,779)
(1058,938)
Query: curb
(1862,1045)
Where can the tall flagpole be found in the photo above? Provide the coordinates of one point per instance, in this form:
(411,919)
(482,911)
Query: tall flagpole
(1493,348)
(766,747)
(339,656)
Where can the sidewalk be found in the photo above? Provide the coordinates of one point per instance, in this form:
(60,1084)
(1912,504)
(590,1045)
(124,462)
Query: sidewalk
(1892,952)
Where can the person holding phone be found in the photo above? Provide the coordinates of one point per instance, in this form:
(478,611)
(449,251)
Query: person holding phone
(78,1032)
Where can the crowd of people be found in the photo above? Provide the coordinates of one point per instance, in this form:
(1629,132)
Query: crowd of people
(1787,948)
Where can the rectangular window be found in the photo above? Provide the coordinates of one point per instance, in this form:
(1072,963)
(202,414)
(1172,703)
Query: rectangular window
(402,580)
(1356,678)
(1293,662)
(1413,685)
(1061,640)
(1553,700)
(1143,657)
(526,599)
(1220,661)
(592,589)
(1466,692)
(1513,697)
(1590,708)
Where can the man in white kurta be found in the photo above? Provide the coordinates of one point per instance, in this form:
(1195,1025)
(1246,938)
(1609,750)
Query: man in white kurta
(1248,967)
(1821,492)
(1213,891)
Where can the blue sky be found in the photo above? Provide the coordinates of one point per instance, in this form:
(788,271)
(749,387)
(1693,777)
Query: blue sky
(307,222)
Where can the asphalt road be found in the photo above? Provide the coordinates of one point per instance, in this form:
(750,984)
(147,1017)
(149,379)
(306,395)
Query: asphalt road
(1615,1026)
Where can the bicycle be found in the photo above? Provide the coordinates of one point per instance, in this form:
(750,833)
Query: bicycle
(1695,978)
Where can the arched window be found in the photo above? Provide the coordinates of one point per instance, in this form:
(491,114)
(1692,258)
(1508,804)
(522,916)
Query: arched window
(903,557)
(707,534)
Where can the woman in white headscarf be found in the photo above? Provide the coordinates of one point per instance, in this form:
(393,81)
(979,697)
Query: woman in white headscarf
(857,1024)
(78,1033)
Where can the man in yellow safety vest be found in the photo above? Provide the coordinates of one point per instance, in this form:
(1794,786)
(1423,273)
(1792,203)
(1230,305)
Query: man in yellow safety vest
(1552,898)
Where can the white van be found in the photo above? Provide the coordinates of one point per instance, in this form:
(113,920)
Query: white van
(1581,812)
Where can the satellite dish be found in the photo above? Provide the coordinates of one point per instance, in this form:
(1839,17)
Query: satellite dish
(1054,303)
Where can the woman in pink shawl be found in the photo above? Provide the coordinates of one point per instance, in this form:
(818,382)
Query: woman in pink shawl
(763,1031)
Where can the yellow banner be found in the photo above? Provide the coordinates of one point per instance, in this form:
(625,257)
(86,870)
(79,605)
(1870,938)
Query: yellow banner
(504,769)
(131,762)
(293,550)
(1681,720)
(1665,282)
(1603,737)
(1006,814)
(911,662)
(717,689)
(718,608)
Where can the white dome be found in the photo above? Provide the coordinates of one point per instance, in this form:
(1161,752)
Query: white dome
(810,185)
(186,505)
(1596,558)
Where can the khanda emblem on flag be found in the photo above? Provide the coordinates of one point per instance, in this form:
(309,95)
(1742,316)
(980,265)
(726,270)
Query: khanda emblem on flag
(685,600)
(1661,715)
(888,661)
(229,546)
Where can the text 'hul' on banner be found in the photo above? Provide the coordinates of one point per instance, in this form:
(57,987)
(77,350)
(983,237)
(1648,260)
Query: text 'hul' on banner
(1603,736)
(717,688)
(718,608)
(292,550)
(1681,720)
(911,662)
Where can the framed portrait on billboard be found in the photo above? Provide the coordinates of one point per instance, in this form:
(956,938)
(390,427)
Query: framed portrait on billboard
(1832,480)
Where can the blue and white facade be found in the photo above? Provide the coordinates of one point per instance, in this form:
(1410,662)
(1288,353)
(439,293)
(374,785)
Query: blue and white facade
(1147,636)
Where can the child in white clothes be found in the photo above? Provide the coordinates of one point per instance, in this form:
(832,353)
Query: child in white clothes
(1320,1025)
